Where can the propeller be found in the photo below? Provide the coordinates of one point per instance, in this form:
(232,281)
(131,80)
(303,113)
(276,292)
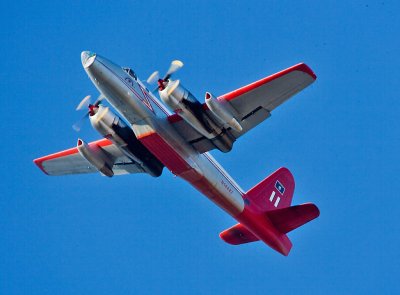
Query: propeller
(92,109)
(162,83)
(84,102)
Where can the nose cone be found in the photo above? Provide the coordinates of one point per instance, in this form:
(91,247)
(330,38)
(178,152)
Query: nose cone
(87,58)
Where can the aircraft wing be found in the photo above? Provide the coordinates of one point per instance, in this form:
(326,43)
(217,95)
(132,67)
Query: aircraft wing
(253,103)
(71,162)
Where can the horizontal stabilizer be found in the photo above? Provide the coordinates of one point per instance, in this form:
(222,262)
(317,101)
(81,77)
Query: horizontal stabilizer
(238,234)
(290,218)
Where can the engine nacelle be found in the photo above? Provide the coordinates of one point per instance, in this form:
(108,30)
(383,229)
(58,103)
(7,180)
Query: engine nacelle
(174,94)
(222,111)
(114,128)
(177,97)
(183,103)
(97,157)
(103,121)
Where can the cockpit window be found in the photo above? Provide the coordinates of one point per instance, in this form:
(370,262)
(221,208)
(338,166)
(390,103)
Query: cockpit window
(130,73)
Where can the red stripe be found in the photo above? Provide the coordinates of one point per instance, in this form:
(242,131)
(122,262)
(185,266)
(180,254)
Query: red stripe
(299,67)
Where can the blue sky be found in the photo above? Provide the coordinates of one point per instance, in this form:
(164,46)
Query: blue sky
(139,235)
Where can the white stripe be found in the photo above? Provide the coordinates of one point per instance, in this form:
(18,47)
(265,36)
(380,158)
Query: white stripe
(271,198)
(277,202)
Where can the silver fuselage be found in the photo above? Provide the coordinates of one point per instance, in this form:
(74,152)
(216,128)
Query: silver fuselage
(147,115)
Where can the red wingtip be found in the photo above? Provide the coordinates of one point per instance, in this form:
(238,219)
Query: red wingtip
(306,69)
(39,163)
(302,67)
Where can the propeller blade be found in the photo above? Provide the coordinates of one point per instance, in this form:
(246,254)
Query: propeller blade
(175,65)
(99,99)
(78,124)
(153,78)
(84,103)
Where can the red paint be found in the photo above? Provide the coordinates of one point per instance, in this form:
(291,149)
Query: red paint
(174,118)
(267,220)
(161,85)
(39,161)
(259,196)
(178,166)
(238,234)
(164,152)
(92,109)
(262,218)
(290,218)
(262,228)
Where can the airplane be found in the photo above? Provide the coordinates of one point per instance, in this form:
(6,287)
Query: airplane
(147,137)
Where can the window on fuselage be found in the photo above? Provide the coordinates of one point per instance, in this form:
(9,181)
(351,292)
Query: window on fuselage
(130,73)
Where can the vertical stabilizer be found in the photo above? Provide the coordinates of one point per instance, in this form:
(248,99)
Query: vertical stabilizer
(274,192)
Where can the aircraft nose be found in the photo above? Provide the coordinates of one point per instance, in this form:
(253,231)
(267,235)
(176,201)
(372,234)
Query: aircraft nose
(87,58)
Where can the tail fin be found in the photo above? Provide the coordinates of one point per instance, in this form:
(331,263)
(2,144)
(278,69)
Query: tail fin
(274,192)
(268,215)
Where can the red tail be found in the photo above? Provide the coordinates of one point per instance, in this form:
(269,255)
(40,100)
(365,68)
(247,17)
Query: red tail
(268,216)
(274,192)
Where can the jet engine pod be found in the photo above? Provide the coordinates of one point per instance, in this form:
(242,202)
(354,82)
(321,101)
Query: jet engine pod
(97,157)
